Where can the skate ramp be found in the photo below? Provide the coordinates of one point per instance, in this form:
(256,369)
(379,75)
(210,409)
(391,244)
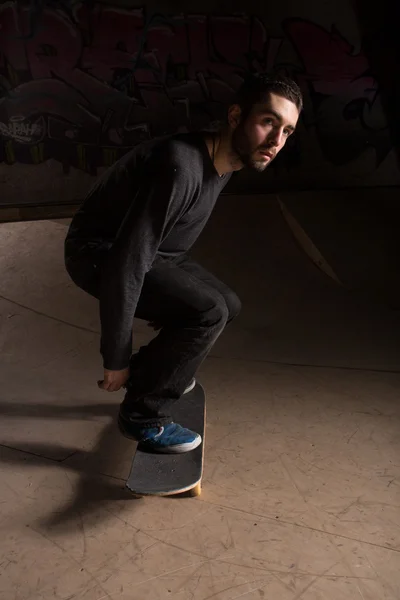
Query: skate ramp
(292,312)
(299,460)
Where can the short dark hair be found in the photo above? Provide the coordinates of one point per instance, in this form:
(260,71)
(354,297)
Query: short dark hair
(257,86)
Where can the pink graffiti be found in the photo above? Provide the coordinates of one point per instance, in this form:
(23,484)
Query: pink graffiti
(329,59)
(113,38)
(350,106)
(109,77)
(117,76)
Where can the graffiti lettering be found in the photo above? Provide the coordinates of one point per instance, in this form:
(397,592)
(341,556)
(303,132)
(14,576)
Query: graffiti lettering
(23,131)
(91,80)
(346,99)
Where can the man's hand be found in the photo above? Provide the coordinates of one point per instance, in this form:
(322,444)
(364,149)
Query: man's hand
(113,380)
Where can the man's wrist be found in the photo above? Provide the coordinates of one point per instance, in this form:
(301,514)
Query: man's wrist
(115,366)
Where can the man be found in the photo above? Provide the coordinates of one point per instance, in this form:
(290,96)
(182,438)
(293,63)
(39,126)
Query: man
(128,245)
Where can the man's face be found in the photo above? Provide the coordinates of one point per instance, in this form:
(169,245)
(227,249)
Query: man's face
(258,139)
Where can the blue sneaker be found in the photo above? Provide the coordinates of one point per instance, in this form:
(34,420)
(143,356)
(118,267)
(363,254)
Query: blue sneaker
(169,439)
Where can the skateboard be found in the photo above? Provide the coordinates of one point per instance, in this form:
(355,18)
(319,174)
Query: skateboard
(155,474)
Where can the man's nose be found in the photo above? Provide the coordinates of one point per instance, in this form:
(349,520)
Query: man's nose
(275,137)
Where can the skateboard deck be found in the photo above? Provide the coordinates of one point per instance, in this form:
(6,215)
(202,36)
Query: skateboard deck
(155,474)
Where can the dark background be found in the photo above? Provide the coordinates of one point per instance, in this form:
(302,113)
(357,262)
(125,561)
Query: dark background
(82,82)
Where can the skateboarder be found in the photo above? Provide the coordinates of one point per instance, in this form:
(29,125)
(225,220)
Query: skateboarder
(127,246)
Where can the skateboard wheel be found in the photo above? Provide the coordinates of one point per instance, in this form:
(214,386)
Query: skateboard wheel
(196,491)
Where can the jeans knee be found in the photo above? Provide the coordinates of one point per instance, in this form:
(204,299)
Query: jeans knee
(217,316)
(234,305)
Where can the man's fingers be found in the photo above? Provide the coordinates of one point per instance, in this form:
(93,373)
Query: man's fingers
(103,385)
(114,380)
(109,386)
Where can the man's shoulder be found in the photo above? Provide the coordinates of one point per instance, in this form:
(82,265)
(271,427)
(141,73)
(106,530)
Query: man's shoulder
(184,153)
(182,147)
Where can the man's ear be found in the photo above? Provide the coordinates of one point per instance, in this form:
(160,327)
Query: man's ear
(234,115)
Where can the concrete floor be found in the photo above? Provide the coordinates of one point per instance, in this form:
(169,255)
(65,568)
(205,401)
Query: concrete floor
(301,491)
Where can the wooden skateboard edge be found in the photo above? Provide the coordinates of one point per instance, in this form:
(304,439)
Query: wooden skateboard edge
(168,493)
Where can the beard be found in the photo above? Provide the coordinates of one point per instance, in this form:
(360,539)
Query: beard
(246,151)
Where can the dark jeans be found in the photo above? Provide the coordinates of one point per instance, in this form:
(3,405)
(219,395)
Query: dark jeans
(191,307)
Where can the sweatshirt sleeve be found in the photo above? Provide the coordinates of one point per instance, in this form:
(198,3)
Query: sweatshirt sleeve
(157,205)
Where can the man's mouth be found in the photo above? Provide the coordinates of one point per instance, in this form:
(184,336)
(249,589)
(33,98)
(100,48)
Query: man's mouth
(267,154)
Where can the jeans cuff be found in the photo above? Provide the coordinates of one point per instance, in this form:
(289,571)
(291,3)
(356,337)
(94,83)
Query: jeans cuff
(143,422)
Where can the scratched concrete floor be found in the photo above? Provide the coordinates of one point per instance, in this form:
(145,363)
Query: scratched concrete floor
(301,496)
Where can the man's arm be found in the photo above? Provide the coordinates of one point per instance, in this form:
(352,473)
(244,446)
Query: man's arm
(158,204)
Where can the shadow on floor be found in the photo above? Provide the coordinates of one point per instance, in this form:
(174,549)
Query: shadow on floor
(19,409)
(96,486)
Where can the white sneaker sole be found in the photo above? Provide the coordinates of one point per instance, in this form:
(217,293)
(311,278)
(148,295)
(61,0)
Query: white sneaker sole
(179,449)
(190,387)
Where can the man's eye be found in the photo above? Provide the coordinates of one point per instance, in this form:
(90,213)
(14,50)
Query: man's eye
(268,121)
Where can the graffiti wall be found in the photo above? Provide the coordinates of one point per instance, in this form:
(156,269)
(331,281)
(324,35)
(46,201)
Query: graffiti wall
(81,83)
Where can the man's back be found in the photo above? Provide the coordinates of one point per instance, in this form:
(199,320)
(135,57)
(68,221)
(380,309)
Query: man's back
(152,203)
(184,157)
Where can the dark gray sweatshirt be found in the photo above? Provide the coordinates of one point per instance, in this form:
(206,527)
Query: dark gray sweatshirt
(155,200)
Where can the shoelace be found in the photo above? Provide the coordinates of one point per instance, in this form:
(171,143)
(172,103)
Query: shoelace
(159,433)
